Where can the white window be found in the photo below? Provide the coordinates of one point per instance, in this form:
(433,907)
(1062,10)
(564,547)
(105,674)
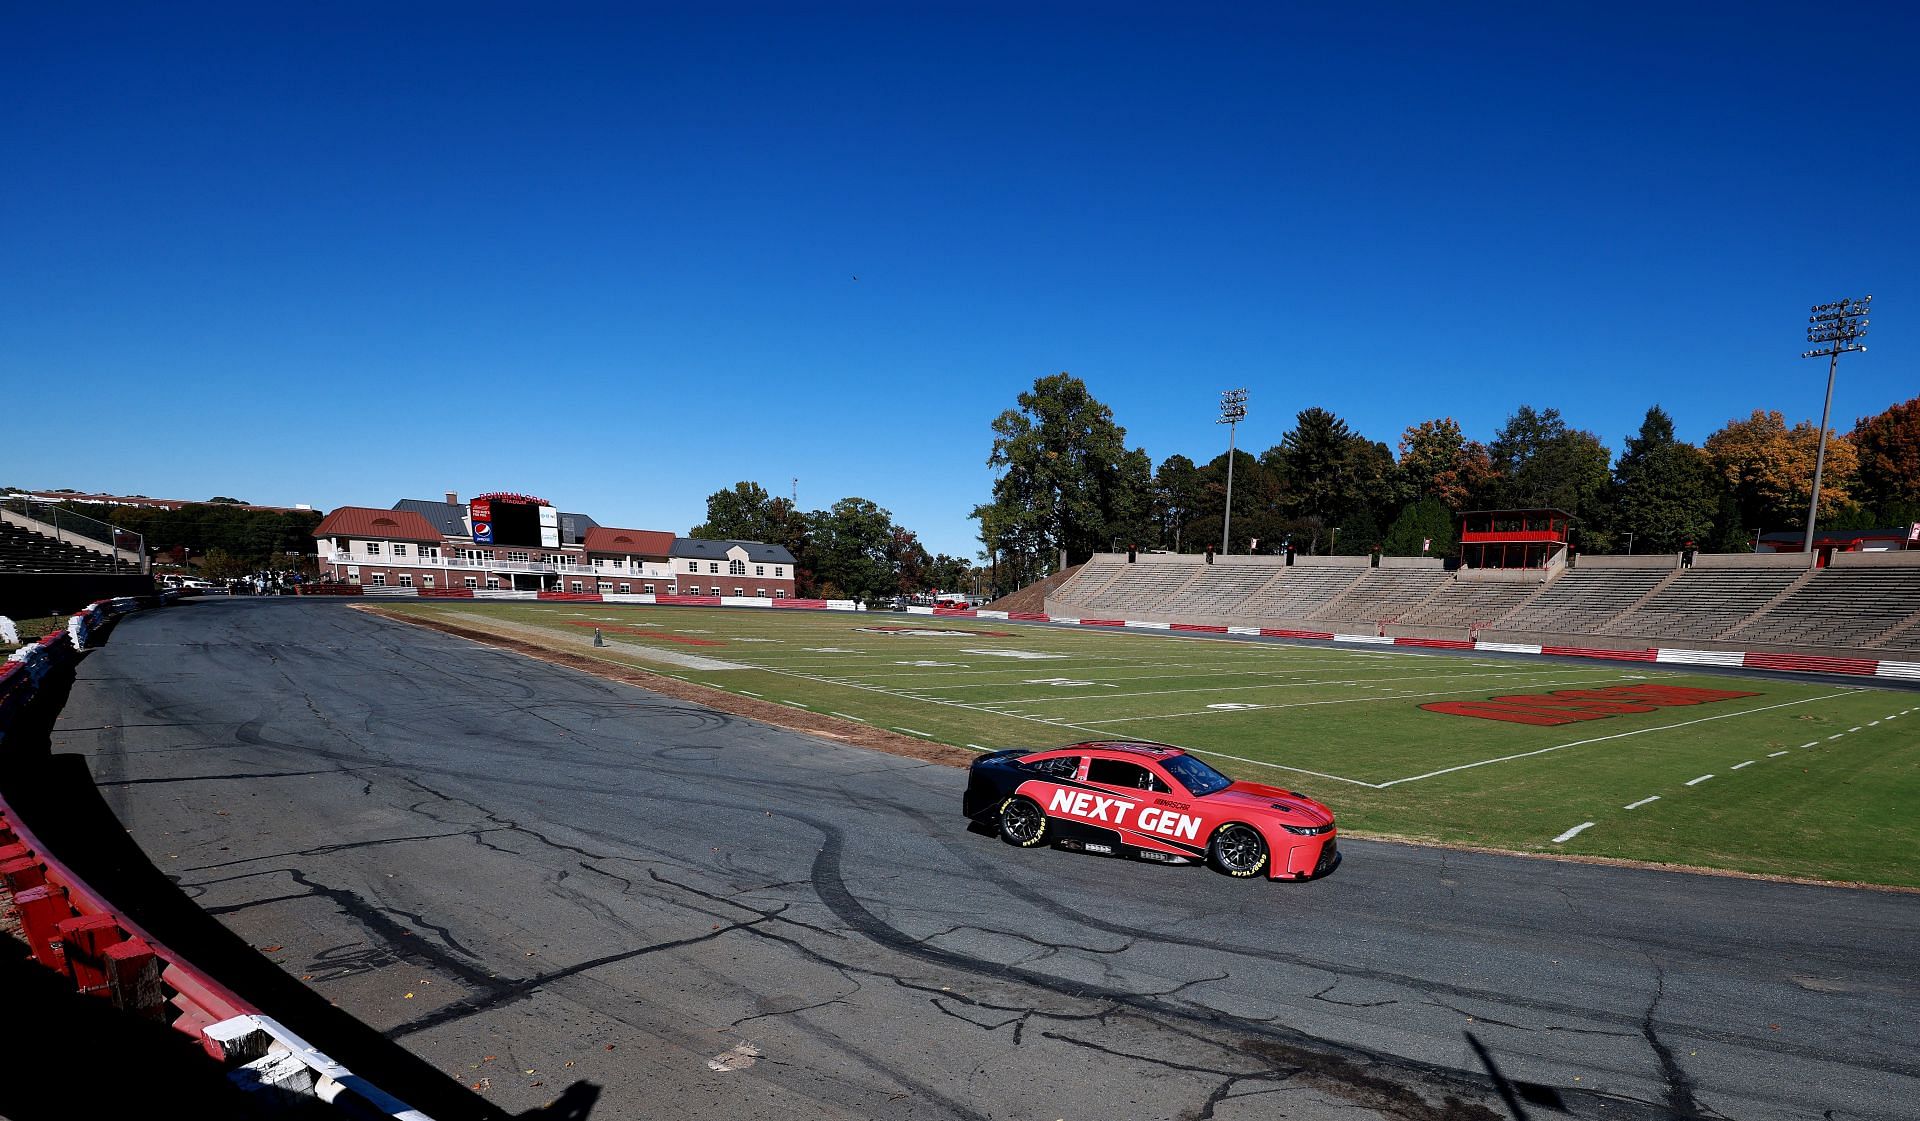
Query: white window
(759,570)
(399,548)
(779,570)
(473,581)
(743,591)
(431,552)
(406,579)
(779,593)
(713,567)
(672,589)
(626,589)
(426,581)
(760,593)
(693,566)
(647,588)
(518,558)
(736,568)
(493,582)
(578,586)
(353,572)
(378,579)
(605,585)
(373,548)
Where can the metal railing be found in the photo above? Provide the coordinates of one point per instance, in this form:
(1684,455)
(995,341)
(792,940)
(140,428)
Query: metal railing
(127,548)
(583,571)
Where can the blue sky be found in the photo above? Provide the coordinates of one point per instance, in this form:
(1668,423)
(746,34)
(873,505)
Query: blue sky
(348,253)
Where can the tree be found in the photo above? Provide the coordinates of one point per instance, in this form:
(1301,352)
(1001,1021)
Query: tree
(1178,493)
(852,546)
(1665,491)
(1888,444)
(1067,480)
(1768,468)
(1424,528)
(1436,459)
(1541,463)
(743,513)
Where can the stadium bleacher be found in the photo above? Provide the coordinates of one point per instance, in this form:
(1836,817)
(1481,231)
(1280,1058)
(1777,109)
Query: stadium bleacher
(1845,607)
(1386,593)
(23,550)
(1705,602)
(1736,600)
(1469,601)
(1582,600)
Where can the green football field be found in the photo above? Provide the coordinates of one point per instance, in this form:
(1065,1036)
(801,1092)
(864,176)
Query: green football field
(1807,779)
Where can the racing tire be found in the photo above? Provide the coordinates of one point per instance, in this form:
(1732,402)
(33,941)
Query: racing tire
(1237,850)
(1022,822)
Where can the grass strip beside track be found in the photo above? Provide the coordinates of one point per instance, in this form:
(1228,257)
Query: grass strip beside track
(1824,772)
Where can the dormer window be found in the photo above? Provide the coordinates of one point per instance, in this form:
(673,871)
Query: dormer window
(736,568)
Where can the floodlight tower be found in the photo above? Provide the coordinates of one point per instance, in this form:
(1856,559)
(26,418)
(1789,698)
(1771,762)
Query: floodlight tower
(1835,329)
(1233,410)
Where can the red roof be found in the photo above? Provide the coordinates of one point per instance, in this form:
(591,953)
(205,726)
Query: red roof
(631,542)
(365,521)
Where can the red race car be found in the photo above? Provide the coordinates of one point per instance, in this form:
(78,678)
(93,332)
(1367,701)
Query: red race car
(1152,802)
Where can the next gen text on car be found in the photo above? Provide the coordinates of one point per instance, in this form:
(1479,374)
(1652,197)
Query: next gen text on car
(1150,802)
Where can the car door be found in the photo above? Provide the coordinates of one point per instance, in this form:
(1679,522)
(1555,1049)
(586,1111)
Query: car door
(1159,819)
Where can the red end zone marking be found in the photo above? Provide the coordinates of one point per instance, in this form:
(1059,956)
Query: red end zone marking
(1437,643)
(1282,632)
(1201,627)
(1567,706)
(1103,622)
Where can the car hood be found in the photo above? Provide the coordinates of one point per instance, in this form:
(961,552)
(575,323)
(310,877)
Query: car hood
(1292,808)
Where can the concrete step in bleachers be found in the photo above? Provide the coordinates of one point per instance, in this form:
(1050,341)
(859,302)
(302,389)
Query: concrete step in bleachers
(1847,607)
(1084,586)
(1219,590)
(1144,588)
(1299,592)
(1467,601)
(22,550)
(1704,602)
(1385,594)
(1582,600)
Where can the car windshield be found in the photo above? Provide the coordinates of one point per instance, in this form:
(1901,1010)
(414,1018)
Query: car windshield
(1195,775)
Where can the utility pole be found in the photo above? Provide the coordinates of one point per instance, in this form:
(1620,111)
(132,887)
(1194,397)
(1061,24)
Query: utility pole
(1835,329)
(1233,410)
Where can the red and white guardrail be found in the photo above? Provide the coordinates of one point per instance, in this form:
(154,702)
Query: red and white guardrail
(74,930)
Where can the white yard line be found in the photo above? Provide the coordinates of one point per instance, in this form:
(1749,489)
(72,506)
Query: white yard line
(848,716)
(1775,754)
(1345,680)
(1804,746)
(1737,766)
(1572,833)
(1641,802)
(1697,781)
(1615,736)
(1311,704)
(1282,767)
(748,693)
(912,732)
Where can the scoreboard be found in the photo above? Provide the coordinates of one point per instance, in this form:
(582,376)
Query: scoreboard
(514,519)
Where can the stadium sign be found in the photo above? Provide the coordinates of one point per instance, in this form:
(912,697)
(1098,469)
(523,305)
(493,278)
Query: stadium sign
(1567,706)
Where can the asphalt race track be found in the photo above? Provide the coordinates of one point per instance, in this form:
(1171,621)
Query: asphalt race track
(530,877)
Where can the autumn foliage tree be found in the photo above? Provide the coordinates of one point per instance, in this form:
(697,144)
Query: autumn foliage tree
(1768,469)
(1888,445)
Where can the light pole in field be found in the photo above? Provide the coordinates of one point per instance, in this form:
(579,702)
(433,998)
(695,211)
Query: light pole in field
(1233,410)
(1835,329)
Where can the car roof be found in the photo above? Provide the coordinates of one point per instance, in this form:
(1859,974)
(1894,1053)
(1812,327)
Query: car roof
(1142,749)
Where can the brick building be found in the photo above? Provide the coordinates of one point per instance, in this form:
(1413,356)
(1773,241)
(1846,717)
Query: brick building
(515,542)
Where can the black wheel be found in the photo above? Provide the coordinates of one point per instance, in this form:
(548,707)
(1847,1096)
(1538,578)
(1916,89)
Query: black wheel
(1237,850)
(1022,822)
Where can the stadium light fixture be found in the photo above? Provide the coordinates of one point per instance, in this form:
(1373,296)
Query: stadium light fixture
(1233,410)
(1834,329)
